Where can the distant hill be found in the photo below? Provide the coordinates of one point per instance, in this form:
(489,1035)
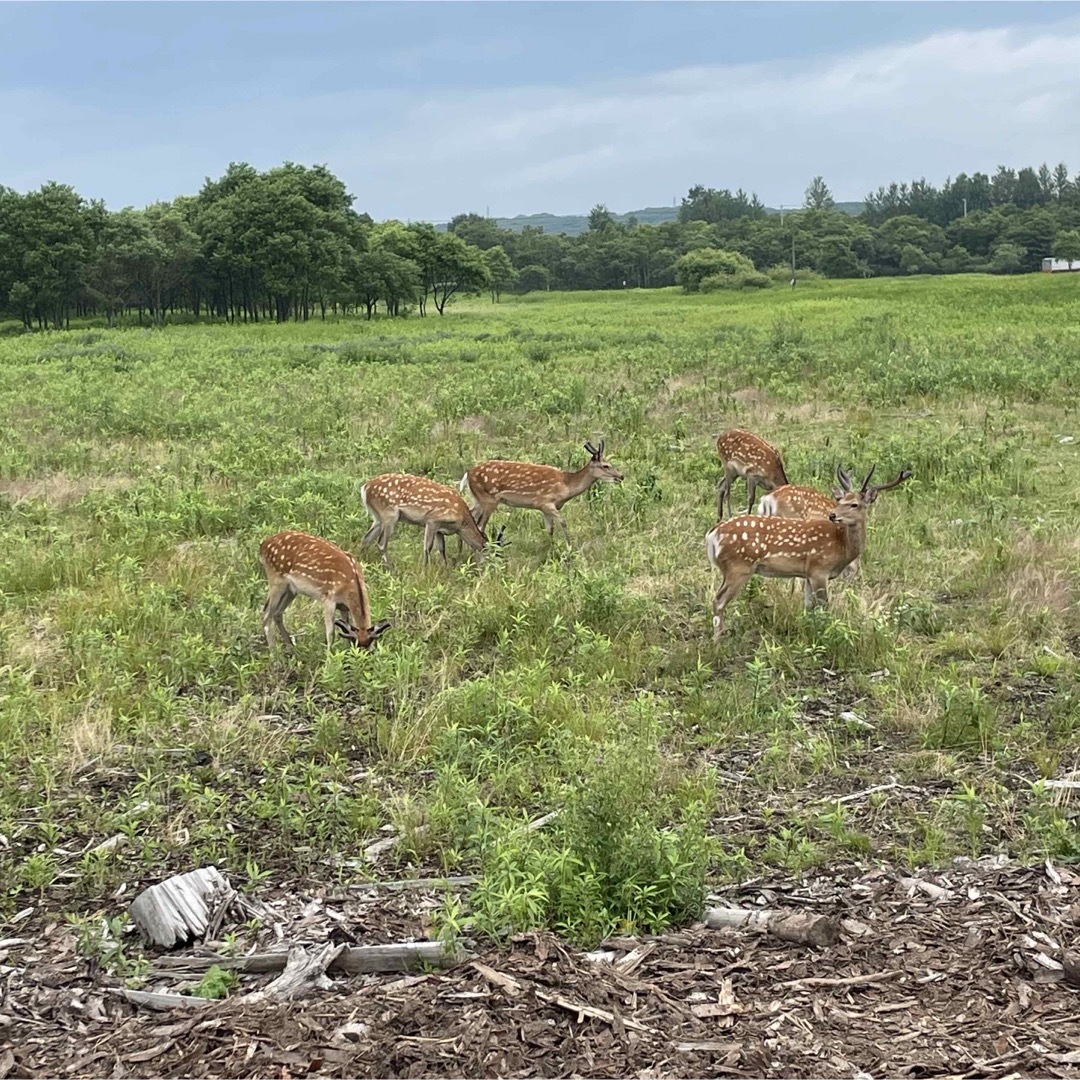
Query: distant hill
(575,224)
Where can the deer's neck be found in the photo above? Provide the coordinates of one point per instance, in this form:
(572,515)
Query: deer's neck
(578,482)
(471,534)
(852,541)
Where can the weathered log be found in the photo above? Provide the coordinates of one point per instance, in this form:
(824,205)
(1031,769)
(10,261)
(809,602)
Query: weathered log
(303,971)
(798,927)
(178,908)
(357,960)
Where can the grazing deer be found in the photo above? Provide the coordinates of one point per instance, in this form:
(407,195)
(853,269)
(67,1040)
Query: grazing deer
(744,454)
(796,501)
(295,563)
(416,500)
(535,487)
(815,549)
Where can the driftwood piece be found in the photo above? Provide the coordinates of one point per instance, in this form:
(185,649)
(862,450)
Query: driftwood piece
(798,927)
(357,960)
(161,1002)
(303,971)
(872,979)
(178,908)
(584,1010)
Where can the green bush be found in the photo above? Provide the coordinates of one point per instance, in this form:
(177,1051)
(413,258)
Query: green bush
(730,269)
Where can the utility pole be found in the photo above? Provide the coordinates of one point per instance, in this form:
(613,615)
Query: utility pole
(965,208)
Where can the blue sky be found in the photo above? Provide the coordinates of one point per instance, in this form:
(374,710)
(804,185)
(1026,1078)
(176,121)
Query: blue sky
(429,109)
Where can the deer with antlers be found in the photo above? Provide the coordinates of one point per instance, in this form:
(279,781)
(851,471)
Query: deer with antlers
(416,500)
(298,563)
(744,454)
(815,549)
(797,501)
(535,487)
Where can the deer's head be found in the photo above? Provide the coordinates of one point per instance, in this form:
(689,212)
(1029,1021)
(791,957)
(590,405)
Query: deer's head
(600,467)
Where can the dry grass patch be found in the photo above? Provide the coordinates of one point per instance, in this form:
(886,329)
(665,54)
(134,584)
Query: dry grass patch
(88,739)
(59,491)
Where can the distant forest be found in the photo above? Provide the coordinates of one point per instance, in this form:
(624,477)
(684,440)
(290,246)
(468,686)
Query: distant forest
(288,244)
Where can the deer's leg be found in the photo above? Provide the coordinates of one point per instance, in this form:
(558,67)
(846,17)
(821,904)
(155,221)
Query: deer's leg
(730,587)
(751,490)
(285,595)
(817,591)
(851,570)
(372,533)
(330,617)
(440,539)
(722,488)
(387,528)
(431,532)
(268,609)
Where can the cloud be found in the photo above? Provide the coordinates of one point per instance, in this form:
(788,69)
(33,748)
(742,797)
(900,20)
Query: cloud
(950,102)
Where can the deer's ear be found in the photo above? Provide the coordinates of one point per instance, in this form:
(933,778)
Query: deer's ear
(837,494)
(379,629)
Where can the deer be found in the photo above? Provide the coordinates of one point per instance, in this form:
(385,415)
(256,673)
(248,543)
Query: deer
(297,563)
(416,500)
(815,549)
(744,454)
(535,487)
(797,501)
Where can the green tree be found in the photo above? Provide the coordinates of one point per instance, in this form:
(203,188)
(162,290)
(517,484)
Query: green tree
(501,272)
(818,195)
(600,218)
(455,267)
(722,269)
(1067,245)
(1007,259)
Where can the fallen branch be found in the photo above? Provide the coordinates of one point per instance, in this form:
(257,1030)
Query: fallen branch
(497,978)
(582,1009)
(799,927)
(357,960)
(850,980)
(303,971)
(161,1002)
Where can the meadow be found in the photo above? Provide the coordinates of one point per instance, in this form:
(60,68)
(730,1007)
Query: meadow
(139,470)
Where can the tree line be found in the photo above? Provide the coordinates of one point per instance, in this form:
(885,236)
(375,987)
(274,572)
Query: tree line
(288,244)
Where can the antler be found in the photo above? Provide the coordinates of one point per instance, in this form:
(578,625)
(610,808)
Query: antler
(590,449)
(845,478)
(866,482)
(905,474)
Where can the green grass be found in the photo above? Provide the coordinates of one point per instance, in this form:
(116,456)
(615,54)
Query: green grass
(139,470)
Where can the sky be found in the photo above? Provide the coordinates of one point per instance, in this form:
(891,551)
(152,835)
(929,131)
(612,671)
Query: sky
(426,110)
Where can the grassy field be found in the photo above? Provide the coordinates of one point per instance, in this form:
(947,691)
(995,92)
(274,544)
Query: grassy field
(140,470)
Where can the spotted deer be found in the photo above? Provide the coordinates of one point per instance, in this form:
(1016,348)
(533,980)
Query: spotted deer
(815,549)
(535,487)
(297,563)
(416,500)
(797,501)
(744,454)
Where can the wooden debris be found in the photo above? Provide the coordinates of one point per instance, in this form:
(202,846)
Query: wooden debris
(459,882)
(507,982)
(355,960)
(708,1046)
(799,927)
(583,1010)
(850,980)
(1070,962)
(302,972)
(928,888)
(161,1002)
(178,908)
